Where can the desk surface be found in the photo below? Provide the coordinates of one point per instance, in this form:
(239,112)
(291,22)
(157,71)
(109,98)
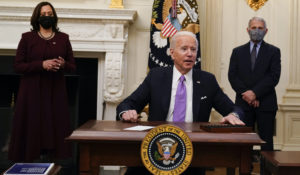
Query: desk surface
(283,158)
(114,131)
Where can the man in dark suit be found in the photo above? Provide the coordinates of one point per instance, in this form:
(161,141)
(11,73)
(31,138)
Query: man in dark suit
(254,72)
(160,91)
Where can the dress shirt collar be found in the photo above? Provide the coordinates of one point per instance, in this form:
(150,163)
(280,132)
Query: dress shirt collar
(176,75)
(257,45)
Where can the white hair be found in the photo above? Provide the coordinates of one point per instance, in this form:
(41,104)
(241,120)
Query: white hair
(255,18)
(182,33)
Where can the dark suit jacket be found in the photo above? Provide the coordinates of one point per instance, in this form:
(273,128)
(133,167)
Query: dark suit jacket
(262,80)
(156,90)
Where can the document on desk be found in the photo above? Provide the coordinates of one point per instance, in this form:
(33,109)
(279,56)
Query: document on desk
(139,128)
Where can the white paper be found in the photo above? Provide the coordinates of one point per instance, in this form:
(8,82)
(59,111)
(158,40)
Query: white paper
(139,128)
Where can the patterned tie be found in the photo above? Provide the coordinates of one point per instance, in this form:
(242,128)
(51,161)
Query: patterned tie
(253,57)
(180,101)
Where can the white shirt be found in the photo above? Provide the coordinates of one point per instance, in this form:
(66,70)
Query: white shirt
(189,92)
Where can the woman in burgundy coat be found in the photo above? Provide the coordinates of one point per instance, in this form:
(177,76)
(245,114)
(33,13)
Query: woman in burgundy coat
(41,120)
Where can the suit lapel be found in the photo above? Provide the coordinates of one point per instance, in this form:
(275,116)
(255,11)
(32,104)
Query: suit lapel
(196,94)
(166,91)
(247,54)
(261,53)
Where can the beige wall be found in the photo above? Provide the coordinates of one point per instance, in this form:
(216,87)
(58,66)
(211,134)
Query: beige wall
(90,4)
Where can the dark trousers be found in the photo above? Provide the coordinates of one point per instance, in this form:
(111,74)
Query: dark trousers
(144,171)
(265,126)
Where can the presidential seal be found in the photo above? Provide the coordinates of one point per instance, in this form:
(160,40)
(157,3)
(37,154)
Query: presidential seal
(166,149)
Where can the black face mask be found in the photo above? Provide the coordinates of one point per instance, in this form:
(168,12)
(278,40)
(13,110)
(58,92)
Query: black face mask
(46,21)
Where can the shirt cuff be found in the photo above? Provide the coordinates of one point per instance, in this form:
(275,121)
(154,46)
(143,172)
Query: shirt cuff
(120,115)
(235,114)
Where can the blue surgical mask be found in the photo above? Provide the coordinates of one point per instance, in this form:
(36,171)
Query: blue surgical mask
(257,35)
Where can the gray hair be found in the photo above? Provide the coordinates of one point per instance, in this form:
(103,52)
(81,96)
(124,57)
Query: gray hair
(182,33)
(257,19)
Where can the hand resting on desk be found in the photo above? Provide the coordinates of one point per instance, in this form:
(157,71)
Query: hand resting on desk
(231,119)
(132,116)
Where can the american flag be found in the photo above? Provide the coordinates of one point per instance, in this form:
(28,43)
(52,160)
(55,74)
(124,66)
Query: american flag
(168,30)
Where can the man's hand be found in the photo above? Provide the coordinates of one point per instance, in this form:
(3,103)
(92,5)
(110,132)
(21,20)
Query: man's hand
(130,116)
(255,104)
(249,96)
(231,119)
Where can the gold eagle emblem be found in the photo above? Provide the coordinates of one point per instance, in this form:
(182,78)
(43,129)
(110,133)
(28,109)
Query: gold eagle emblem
(167,149)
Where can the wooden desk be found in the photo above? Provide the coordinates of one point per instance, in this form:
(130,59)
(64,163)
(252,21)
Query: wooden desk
(281,162)
(106,143)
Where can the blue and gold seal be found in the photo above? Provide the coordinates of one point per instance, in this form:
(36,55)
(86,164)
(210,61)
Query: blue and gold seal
(166,149)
